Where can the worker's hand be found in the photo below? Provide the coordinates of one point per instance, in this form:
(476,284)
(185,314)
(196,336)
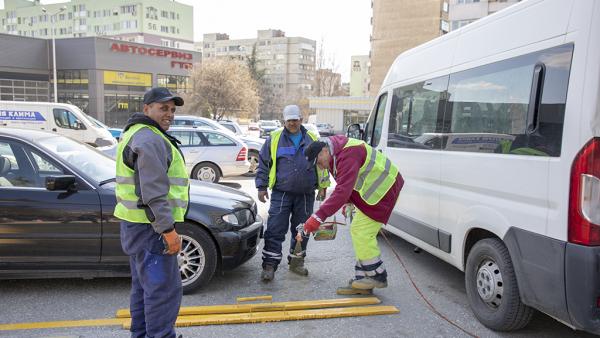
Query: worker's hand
(321,194)
(263,196)
(172,242)
(311,224)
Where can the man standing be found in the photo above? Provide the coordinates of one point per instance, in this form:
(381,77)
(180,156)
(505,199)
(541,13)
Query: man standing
(282,167)
(369,180)
(152,196)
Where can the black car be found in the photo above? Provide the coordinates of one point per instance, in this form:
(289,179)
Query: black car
(56,215)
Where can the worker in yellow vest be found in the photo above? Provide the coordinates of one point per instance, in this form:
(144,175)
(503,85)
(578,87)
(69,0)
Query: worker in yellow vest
(152,191)
(282,167)
(371,182)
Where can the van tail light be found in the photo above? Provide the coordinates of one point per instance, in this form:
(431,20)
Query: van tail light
(242,155)
(584,197)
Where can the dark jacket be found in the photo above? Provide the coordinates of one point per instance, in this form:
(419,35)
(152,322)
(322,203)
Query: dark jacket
(294,174)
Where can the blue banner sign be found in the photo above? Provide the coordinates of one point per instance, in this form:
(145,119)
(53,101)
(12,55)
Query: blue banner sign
(20,115)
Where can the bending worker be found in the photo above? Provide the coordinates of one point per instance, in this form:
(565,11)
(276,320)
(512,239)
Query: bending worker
(283,168)
(152,195)
(369,180)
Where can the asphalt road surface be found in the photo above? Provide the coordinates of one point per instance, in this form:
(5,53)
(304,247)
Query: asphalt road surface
(330,264)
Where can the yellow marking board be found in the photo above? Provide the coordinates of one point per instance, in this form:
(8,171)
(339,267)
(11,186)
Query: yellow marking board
(277,306)
(65,323)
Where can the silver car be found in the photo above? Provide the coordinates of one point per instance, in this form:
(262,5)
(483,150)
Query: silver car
(211,154)
(254,143)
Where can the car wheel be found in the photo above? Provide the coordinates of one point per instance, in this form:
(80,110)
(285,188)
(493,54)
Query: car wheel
(198,257)
(492,289)
(253,159)
(206,172)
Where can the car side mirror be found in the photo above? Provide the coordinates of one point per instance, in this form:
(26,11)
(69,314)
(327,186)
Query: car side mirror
(354,131)
(61,183)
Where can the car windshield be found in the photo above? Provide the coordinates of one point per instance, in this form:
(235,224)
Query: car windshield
(269,124)
(90,161)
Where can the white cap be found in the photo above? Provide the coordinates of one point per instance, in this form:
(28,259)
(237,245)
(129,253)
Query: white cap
(291,112)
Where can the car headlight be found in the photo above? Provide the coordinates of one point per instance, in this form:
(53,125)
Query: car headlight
(239,218)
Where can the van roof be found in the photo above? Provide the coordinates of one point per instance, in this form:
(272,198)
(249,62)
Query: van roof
(29,103)
(474,42)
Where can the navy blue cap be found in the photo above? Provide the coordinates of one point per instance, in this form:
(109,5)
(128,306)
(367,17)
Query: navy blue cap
(313,150)
(161,94)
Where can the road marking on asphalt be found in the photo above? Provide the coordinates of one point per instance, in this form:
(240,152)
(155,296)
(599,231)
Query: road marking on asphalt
(64,324)
(237,313)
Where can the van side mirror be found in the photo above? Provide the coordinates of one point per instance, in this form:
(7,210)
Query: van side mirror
(354,131)
(61,183)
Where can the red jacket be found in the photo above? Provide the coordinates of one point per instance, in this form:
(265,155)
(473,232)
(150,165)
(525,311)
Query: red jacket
(348,162)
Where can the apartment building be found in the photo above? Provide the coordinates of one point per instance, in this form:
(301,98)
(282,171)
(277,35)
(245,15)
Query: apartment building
(463,12)
(289,62)
(359,75)
(399,25)
(163,23)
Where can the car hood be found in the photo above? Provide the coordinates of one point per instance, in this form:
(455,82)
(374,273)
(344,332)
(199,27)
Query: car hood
(218,196)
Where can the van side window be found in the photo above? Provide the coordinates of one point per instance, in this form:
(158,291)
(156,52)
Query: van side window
(487,109)
(416,114)
(66,119)
(375,122)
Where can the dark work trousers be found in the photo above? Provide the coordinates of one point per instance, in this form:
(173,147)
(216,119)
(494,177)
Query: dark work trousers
(287,210)
(155,282)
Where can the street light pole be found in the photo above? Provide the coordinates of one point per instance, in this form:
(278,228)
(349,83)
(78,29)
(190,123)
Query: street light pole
(54,51)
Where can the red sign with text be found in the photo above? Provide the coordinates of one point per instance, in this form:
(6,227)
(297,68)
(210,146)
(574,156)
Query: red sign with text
(156,52)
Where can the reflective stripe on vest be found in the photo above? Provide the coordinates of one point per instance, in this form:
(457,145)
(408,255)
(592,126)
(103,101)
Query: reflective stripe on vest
(322,175)
(129,205)
(376,176)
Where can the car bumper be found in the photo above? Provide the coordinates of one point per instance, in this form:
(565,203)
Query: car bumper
(235,169)
(239,246)
(582,278)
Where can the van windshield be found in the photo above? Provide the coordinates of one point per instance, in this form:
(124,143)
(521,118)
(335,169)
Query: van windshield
(90,161)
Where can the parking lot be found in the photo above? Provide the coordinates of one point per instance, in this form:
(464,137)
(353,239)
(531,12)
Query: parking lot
(330,264)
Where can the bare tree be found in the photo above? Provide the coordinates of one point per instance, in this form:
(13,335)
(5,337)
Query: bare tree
(328,82)
(222,87)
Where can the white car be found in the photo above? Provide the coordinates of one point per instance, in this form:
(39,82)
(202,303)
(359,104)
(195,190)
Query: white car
(254,143)
(313,128)
(211,154)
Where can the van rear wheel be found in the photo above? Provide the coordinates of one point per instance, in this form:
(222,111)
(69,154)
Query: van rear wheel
(492,289)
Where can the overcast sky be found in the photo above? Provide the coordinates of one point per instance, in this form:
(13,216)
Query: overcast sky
(343,25)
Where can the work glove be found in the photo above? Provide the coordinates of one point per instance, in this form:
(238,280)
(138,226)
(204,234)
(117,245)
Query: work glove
(312,224)
(172,242)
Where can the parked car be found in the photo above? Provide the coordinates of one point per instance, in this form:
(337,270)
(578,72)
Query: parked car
(115,132)
(253,126)
(266,127)
(211,154)
(325,129)
(312,127)
(61,118)
(56,215)
(254,143)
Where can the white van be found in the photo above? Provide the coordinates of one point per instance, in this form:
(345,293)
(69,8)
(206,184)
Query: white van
(62,118)
(495,128)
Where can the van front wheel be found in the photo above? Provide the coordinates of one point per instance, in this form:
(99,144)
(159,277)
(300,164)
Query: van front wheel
(492,289)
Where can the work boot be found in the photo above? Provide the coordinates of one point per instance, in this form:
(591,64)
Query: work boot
(368,283)
(348,290)
(297,265)
(268,273)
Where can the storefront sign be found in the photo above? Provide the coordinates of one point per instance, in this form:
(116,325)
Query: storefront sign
(127,78)
(156,52)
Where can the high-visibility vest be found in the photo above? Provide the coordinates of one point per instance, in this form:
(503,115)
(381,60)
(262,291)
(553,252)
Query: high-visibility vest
(129,205)
(322,175)
(376,176)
